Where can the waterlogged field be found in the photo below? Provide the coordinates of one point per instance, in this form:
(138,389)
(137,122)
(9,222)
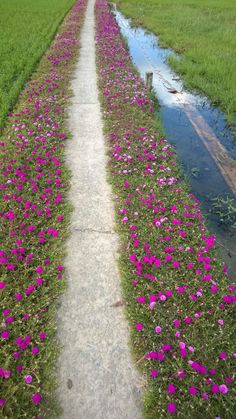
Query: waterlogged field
(204,33)
(26,29)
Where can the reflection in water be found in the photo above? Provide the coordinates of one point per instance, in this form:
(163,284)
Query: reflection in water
(205,171)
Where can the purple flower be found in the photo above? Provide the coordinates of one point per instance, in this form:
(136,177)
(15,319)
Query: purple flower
(223,388)
(171,408)
(139,326)
(158,329)
(28,379)
(36,398)
(171,389)
(154,373)
(192,391)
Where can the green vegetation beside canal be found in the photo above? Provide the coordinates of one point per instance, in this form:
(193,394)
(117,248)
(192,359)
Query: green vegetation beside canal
(204,33)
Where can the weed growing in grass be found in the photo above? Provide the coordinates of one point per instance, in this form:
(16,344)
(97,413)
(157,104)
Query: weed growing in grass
(179,300)
(34,217)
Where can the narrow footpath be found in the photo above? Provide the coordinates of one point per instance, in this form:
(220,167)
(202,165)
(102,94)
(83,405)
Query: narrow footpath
(97,377)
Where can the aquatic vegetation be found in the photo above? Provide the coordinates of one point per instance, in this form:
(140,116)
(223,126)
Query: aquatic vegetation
(33,226)
(179,299)
(224,208)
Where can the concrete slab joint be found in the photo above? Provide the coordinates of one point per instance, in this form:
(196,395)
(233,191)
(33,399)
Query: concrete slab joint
(97,379)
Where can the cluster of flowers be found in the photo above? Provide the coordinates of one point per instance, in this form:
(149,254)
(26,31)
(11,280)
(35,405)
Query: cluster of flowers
(33,210)
(180,300)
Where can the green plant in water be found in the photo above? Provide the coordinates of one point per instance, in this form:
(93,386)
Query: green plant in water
(195,172)
(224,208)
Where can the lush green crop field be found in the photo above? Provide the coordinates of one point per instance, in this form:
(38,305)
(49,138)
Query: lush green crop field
(26,29)
(204,32)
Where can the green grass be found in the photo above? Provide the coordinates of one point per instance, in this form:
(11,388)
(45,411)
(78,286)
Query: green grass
(204,33)
(26,30)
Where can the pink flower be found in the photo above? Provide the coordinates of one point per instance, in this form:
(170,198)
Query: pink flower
(2,285)
(171,389)
(215,388)
(36,398)
(35,350)
(5,334)
(223,388)
(141,300)
(28,379)
(154,373)
(139,326)
(171,408)
(158,329)
(177,323)
(212,371)
(7,374)
(192,391)
(223,355)
(2,402)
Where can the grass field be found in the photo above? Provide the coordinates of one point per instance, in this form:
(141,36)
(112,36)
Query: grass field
(204,33)
(26,29)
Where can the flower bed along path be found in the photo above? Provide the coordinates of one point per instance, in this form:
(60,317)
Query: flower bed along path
(34,213)
(180,302)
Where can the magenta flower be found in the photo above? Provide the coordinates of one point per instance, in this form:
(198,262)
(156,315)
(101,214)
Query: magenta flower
(154,373)
(158,329)
(5,335)
(223,389)
(192,391)
(223,355)
(28,379)
(139,326)
(171,408)
(36,398)
(35,350)
(171,389)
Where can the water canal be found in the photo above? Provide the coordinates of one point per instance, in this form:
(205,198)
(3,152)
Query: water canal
(205,146)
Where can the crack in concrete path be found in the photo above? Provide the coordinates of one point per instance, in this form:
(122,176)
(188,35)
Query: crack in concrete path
(97,379)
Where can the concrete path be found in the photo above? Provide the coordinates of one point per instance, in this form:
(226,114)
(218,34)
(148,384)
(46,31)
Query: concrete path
(97,377)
